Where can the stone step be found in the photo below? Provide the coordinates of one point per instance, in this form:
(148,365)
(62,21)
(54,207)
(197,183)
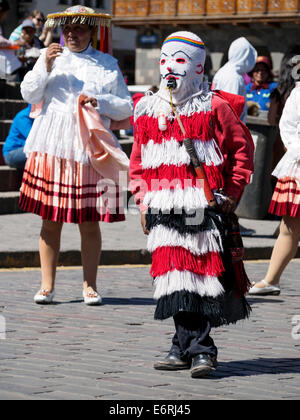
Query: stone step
(10,179)
(4,129)
(1,155)
(10,107)
(10,90)
(9,202)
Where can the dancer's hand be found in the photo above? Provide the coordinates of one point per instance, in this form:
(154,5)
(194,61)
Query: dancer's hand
(89,99)
(53,51)
(228,205)
(143,223)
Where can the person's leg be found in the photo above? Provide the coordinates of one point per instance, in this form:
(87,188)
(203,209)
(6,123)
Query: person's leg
(192,332)
(91,244)
(196,344)
(16,158)
(284,250)
(175,359)
(175,348)
(191,346)
(49,247)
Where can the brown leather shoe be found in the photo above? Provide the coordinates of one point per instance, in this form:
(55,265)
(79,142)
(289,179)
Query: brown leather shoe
(171,362)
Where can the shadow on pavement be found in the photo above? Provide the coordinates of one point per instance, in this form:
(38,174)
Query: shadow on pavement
(112,301)
(129,301)
(261,299)
(260,366)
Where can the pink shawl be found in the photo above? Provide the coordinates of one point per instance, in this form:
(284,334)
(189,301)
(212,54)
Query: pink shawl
(105,155)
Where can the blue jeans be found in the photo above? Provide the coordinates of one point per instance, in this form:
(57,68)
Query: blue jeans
(16,158)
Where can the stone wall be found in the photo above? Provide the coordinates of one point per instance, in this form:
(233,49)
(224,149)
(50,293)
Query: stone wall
(146,66)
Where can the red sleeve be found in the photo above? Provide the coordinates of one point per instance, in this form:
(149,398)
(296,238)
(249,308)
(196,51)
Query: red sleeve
(237,147)
(138,186)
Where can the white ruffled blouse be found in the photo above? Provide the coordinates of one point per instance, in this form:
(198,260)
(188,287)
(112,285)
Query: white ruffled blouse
(289,165)
(92,73)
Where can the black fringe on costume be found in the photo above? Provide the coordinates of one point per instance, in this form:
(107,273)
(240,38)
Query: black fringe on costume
(223,310)
(182,222)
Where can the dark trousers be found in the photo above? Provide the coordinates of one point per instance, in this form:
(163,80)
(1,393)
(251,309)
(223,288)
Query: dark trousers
(192,336)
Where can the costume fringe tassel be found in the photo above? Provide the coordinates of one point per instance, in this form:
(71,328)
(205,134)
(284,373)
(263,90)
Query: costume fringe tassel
(167,259)
(224,310)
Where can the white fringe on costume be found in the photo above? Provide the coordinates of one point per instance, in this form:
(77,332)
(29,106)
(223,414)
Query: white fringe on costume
(177,281)
(198,244)
(190,199)
(153,104)
(171,152)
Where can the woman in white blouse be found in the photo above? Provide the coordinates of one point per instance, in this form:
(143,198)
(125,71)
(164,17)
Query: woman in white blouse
(286,198)
(59,183)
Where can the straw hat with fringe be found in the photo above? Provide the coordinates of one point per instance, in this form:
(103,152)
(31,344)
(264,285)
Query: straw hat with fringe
(84,15)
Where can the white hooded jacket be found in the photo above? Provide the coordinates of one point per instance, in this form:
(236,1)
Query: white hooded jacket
(241,59)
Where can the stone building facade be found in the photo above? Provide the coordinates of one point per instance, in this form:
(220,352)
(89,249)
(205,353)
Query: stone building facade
(272,26)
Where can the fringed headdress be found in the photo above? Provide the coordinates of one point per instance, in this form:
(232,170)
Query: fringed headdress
(84,15)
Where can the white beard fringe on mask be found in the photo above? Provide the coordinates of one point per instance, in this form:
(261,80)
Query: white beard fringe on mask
(182,57)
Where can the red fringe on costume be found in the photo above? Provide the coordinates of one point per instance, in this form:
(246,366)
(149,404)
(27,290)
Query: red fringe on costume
(214,176)
(167,259)
(147,128)
(286,198)
(181,173)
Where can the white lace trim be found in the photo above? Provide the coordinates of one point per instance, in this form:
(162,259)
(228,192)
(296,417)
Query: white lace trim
(176,281)
(198,244)
(288,166)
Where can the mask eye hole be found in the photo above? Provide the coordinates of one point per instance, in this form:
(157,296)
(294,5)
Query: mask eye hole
(163,61)
(180,60)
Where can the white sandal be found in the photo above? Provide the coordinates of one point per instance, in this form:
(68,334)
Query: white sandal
(91,298)
(263,291)
(43,296)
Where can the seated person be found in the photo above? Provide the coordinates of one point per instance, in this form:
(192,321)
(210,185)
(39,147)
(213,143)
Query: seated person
(13,153)
(29,47)
(8,60)
(259,91)
(44,34)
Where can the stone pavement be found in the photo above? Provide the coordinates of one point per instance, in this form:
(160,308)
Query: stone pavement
(123,243)
(70,351)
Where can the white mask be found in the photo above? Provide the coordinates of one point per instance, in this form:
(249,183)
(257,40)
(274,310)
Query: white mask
(182,57)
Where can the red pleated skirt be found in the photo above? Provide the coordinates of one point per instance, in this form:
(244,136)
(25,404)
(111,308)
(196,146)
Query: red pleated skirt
(286,198)
(65,191)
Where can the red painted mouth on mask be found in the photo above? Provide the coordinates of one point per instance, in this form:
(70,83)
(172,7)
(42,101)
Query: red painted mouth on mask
(172,77)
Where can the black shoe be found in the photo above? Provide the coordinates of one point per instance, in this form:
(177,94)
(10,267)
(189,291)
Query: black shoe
(171,362)
(202,365)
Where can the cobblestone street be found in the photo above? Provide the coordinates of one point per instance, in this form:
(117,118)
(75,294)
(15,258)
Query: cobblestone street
(70,351)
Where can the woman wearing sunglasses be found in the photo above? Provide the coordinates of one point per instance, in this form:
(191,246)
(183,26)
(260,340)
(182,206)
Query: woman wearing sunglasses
(45,34)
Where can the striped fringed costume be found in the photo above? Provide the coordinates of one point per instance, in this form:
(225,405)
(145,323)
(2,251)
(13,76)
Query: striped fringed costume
(191,270)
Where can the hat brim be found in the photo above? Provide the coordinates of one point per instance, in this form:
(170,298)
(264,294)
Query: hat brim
(250,73)
(93,19)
